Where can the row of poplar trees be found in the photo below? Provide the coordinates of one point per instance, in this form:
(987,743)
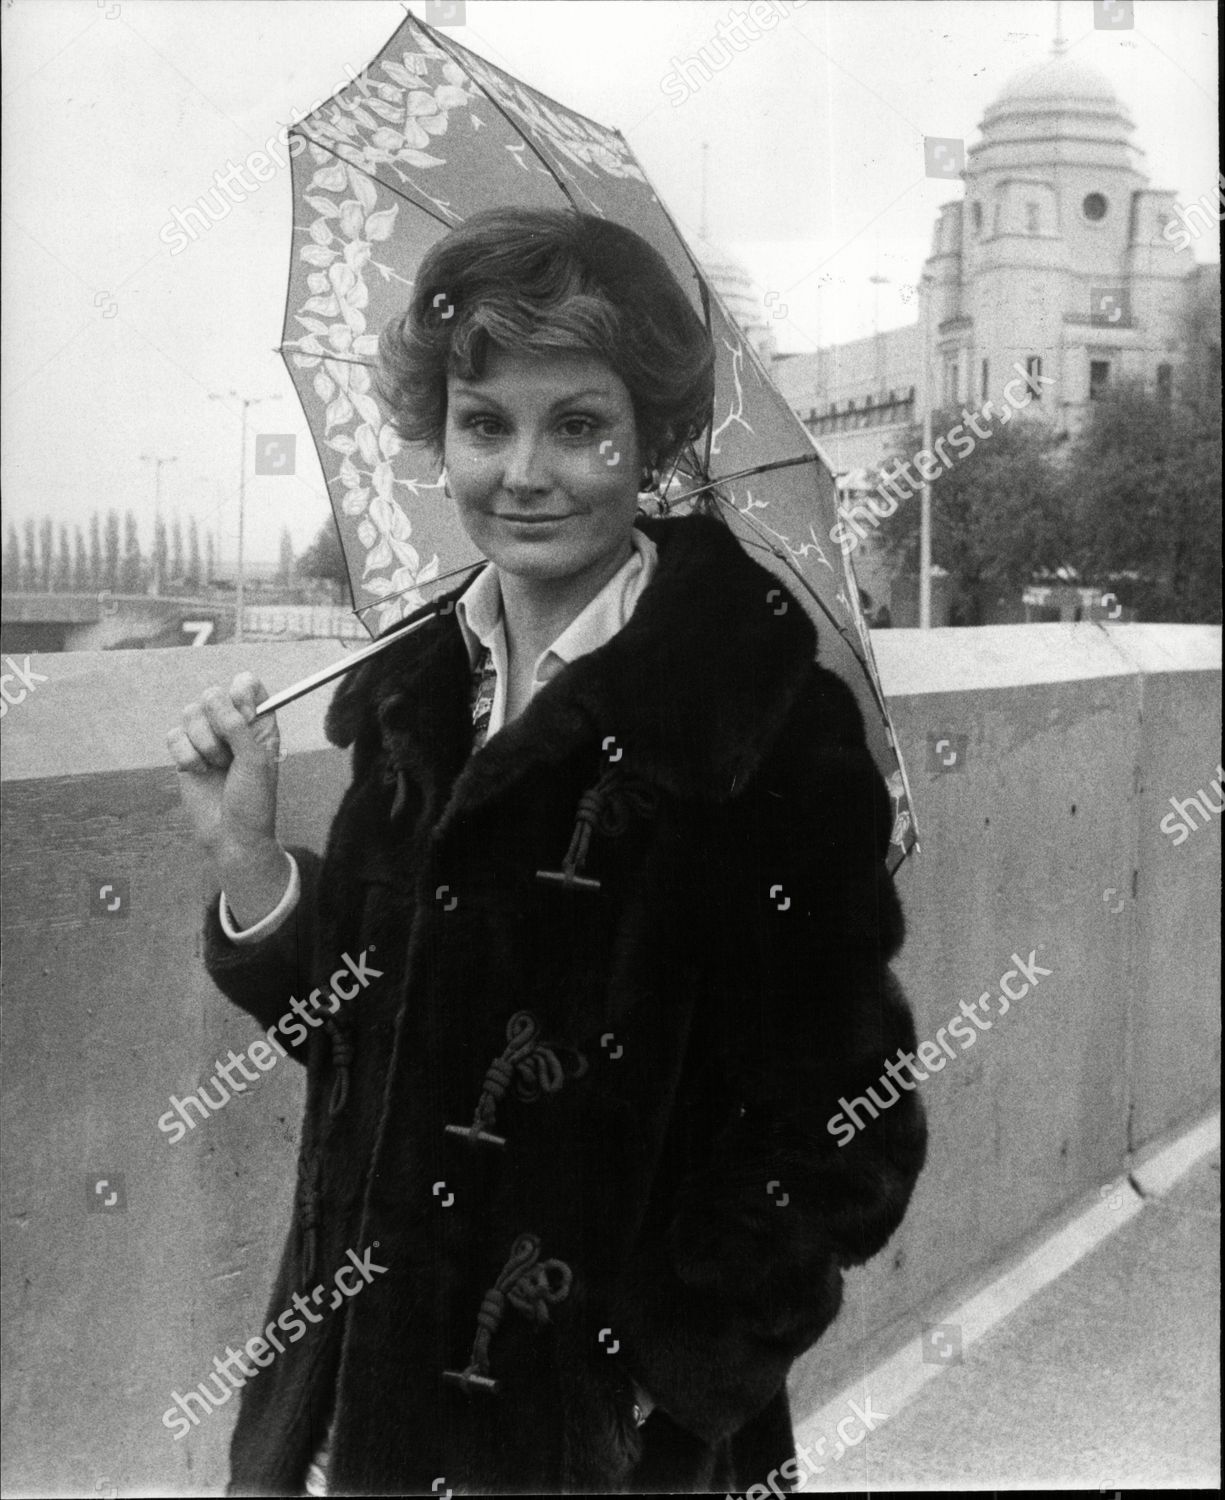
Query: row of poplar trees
(39,562)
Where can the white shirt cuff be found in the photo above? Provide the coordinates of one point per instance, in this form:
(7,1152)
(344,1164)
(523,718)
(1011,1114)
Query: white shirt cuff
(275,918)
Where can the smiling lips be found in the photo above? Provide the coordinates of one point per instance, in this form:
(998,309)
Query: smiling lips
(533,520)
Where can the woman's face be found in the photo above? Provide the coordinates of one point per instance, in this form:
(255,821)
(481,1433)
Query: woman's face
(543,463)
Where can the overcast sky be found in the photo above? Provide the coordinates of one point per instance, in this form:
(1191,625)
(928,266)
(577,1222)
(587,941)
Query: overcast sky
(119,111)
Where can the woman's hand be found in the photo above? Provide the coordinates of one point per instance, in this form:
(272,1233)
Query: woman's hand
(227,762)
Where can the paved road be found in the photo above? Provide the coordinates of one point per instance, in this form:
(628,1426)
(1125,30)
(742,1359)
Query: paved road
(1108,1378)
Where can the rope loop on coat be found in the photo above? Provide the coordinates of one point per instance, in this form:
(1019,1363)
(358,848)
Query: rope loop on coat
(526,1283)
(308,1209)
(533,1066)
(342,1062)
(606,807)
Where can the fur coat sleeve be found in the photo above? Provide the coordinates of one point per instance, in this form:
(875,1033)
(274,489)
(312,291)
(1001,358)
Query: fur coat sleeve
(805,1010)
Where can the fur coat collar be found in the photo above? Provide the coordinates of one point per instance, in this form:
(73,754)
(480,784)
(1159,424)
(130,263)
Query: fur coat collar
(694,688)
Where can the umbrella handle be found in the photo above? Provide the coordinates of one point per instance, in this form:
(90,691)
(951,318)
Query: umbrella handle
(337,669)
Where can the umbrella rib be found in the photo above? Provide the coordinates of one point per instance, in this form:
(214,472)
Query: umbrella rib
(693,266)
(785,558)
(365,171)
(360,609)
(779,463)
(518,129)
(368,364)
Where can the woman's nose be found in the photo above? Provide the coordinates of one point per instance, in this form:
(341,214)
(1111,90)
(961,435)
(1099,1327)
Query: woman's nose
(525,468)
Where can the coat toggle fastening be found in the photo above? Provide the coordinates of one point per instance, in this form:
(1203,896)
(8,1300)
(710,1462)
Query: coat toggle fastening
(533,1066)
(606,806)
(525,1282)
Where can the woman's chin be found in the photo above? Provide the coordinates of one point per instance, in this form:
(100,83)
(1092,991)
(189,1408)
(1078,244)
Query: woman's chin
(538,559)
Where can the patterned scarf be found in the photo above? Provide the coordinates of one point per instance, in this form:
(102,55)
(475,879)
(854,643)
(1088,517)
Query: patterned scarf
(484,680)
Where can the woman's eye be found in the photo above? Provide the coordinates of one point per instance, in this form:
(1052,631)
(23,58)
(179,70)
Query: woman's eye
(482,426)
(578,427)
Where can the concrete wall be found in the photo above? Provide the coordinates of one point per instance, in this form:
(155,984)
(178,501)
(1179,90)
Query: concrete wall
(1045,838)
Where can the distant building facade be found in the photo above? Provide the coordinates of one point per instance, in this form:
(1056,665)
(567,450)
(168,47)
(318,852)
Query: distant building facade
(1055,264)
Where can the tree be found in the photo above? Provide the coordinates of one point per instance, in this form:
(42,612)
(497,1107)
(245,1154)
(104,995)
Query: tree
(61,574)
(95,552)
(80,563)
(324,557)
(193,578)
(176,549)
(161,554)
(1145,475)
(46,554)
(110,567)
(285,569)
(29,572)
(996,508)
(12,562)
(131,570)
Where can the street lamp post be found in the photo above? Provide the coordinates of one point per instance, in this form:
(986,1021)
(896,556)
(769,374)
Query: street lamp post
(242,497)
(150,458)
(925,490)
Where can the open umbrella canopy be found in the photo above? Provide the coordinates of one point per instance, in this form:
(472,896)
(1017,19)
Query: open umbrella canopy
(427,135)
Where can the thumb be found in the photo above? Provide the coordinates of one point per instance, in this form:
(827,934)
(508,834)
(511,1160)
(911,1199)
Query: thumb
(252,736)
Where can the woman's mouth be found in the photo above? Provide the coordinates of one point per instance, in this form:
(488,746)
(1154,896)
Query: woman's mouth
(533,520)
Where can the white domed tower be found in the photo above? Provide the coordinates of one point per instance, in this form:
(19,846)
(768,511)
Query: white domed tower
(1055,263)
(735,287)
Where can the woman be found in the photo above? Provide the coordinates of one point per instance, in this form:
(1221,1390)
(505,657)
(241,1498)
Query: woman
(611,875)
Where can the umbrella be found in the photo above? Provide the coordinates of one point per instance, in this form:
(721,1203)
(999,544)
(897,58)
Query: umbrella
(427,135)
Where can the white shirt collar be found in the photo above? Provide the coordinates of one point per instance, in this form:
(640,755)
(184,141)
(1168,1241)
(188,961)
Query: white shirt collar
(478,611)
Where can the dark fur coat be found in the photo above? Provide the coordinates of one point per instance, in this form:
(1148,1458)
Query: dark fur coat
(651,1044)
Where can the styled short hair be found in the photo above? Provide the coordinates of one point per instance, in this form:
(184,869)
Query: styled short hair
(528,281)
